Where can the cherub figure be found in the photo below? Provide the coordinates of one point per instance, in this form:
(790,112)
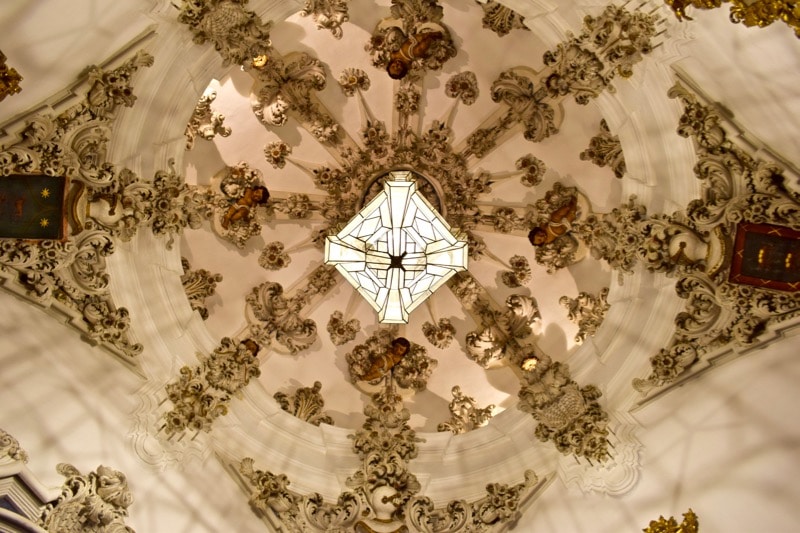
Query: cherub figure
(252,196)
(416,46)
(382,364)
(560,223)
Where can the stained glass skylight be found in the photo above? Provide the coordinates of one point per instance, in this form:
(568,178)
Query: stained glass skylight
(397,250)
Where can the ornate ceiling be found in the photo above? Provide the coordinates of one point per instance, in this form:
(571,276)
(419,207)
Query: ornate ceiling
(580,150)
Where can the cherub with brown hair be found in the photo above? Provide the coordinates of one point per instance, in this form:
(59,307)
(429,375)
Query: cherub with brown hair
(416,46)
(252,196)
(560,223)
(383,364)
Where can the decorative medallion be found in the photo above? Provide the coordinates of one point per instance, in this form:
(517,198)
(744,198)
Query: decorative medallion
(397,250)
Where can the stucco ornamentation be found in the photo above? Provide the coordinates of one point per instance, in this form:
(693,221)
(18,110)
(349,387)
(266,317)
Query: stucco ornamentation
(413,38)
(201,393)
(587,311)
(737,188)
(327,14)
(275,319)
(342,331)
(465,413)
(237,34)
(305,403)
(199,285)
(569,416)
(205,123)
(10,450)
(410,372)
(503,333)
(92,503)
(440,334)
(501,19)
(605,150)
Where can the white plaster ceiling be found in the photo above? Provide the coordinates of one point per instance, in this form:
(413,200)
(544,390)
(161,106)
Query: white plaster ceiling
(747,70)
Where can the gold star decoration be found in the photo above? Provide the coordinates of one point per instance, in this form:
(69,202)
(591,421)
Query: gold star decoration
(44,222)
(45,193)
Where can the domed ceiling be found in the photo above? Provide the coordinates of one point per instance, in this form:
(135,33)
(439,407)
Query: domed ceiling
(545,137)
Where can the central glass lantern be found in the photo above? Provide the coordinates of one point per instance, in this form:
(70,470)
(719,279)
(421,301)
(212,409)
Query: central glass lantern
(397,250)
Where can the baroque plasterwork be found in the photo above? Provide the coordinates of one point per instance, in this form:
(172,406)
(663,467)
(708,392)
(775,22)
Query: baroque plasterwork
(384,493)
(10,448)
(306,403)
(501,19)
(605,150)
(199,285)
(202,392)
(103,203)
(466,415)
(205,123)
(9,79)
(587,311)
(737,188)
(96,502)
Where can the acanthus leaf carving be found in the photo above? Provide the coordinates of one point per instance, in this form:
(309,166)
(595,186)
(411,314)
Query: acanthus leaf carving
(278,319)
(587,311)
(202,392)
(503,332)
(327,14)
(199,285)
(501,19)
(89,503)
(737,190)
(605,150)
(205,122)
(10,448)
(305,403)
(465,414)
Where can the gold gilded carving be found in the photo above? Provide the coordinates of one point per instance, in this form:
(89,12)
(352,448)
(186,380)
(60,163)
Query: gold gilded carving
(670,525)
(751,13)
(199,284)
(9,79)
